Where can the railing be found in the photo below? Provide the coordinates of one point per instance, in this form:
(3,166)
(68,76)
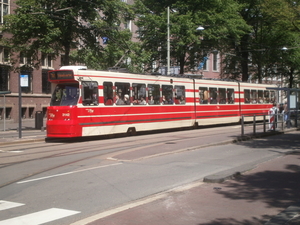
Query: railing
(278,123)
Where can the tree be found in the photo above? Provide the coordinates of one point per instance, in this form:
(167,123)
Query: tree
(220,19)
(56,27)
(259,53)
(286,21)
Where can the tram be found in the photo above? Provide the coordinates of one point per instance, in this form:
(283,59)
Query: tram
(89,103)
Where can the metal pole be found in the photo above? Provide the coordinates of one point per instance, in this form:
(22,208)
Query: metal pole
(242,125)
(168,42)
(282,122)
(4,114)
(254,124)
(288,108)
(264,123)
(20,107)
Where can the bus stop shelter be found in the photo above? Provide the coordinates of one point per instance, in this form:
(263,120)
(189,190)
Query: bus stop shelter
(293,104)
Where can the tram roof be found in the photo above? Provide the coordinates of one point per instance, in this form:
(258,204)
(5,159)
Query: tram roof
(83,70)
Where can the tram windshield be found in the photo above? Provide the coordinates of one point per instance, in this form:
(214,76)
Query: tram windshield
(65,94)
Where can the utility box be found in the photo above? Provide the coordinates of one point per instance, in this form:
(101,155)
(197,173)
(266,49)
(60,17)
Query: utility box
(38,120)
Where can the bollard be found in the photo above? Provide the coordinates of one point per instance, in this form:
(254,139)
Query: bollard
(254,124)
(242,125)
(264,123)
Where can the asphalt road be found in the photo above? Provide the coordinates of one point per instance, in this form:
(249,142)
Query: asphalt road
(82,179)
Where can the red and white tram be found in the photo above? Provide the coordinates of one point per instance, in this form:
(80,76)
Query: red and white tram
(87,102)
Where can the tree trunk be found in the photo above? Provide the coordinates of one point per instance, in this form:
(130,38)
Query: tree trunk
(245,58)
(66,60)
(181,63)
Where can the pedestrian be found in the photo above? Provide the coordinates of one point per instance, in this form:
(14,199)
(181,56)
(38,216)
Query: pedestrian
(273,117)
(285,113)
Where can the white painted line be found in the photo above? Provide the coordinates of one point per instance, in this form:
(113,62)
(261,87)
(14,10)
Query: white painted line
(40,217)
(8,205)
(15,151)
(64,174)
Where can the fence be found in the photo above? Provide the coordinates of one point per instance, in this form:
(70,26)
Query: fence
(277,124)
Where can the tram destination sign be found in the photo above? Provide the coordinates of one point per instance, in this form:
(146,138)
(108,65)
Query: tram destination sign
(61,75)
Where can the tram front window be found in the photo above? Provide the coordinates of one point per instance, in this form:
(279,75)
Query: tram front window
(65,94)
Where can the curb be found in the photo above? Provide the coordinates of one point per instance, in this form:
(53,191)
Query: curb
(21,141)
(221,176)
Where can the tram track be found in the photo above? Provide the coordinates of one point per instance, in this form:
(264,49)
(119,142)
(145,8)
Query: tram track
(93,150)
(78,150)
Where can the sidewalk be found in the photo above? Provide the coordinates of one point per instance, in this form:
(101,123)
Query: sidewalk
(28,134)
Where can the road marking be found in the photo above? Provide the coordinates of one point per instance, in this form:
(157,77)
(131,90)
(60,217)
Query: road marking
(8,205)
(40,217)
(64,174)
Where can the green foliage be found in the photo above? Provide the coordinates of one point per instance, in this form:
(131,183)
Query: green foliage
(56,27)
(220,19)
(248,34)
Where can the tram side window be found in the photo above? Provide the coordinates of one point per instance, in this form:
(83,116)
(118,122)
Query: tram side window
(179,94)
(266,97)
(90,94)
(203,95)
(167,94)
(272,96)
(222,95)
(153,94)
(122,89)
(253,96)
(139,94)
(260,97)
(213,92)
(230,96)
(108,93)
(247,96)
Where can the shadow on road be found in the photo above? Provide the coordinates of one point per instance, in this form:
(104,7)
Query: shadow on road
(276,189)
(290,141)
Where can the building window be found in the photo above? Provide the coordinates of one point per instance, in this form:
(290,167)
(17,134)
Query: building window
(62,60)
(46,85)
(127,25)
(4,76)
(4,55)
(4,10)
(24,60)
(46,60)
(215,62)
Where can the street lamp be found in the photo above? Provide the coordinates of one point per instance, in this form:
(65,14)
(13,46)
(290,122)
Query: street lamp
(200,28)
(283,49)
(168,41)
